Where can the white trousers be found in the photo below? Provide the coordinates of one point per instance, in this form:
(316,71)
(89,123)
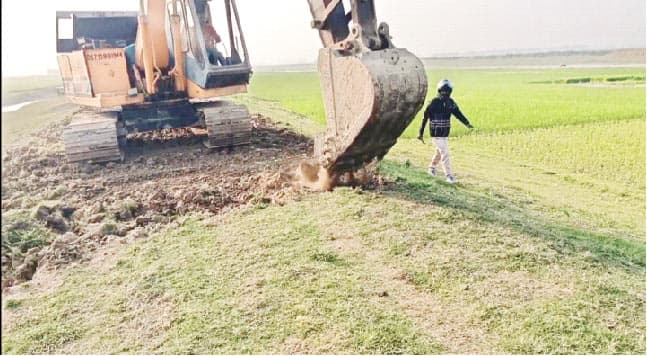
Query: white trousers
(441,154)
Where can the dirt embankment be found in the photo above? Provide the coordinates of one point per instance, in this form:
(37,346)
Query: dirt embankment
(54,212)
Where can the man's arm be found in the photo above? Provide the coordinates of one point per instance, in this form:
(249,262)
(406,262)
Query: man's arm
(211,34)
(459,115)
(424,123)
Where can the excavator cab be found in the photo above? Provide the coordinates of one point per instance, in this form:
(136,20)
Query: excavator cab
(211,39)
(216,52)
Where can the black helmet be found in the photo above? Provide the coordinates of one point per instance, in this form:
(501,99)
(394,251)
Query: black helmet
(445,86)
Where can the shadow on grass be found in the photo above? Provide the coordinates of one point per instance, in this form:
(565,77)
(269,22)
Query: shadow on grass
(414,184)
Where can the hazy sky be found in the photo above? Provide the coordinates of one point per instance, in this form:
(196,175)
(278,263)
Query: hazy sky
(278,32)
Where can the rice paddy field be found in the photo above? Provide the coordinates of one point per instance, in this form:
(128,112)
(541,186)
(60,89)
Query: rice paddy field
(539,249)
(584,127)
(498,100)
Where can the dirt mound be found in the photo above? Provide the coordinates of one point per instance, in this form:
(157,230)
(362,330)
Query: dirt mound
(74,208)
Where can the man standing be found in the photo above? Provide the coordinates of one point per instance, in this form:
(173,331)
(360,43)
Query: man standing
(439,114)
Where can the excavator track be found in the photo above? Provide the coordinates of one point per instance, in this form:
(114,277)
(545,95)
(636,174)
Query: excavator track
(93,137)
(228,125)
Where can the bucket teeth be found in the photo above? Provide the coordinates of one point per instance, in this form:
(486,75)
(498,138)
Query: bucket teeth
(92,137)
(369,101)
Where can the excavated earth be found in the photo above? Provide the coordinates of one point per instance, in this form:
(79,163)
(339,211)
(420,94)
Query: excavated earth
(76,208)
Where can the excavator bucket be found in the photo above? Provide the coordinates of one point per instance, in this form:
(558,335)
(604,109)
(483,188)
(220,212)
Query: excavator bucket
(371,89)
(369,103)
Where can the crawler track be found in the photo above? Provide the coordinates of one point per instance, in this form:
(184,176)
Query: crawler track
(93,137)
(228,125)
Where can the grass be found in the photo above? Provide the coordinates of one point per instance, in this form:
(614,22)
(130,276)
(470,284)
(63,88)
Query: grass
(583,162)
(17,125)
(627,79)
(609,151)
(25,84)
(20,233)
(557,184)
(298,92)
(323,275)
(494,100)
(417,186)
(538,250)
(532,332)
(292,292)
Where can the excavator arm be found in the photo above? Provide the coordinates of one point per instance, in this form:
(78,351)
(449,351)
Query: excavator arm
(371,89)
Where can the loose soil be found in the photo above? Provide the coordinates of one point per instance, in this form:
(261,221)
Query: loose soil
(167,174)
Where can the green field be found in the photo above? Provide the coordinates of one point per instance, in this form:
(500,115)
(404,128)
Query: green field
(496,100)
(539,249)
(22,84)
(554,136)
(46,109)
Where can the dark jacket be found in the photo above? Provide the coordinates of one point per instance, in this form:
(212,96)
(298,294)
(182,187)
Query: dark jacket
(439,113)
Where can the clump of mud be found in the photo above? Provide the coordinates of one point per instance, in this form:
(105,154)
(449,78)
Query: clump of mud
(315,177)
(56,212)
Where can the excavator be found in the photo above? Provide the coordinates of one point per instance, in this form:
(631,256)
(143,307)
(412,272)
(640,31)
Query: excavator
(166,67)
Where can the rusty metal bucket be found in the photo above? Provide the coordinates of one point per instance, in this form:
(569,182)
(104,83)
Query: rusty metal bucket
(369,100)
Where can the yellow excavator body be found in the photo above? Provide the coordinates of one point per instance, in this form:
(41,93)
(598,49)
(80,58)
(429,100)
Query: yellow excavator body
(161,68)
